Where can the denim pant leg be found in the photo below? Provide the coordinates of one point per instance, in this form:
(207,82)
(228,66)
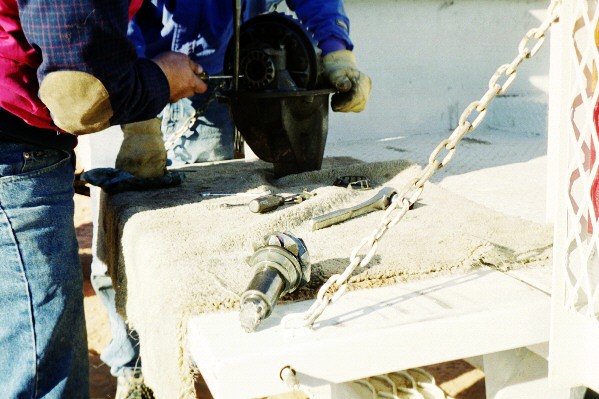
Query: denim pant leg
(122,352)
(43,342)
(213,137)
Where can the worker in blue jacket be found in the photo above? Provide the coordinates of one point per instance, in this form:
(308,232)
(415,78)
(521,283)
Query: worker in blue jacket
(202,30)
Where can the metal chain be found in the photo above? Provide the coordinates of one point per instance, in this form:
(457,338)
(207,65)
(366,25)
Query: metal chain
(470,119)
(190,122)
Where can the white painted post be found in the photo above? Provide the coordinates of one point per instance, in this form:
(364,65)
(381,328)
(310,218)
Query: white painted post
(574,338)
(517,374)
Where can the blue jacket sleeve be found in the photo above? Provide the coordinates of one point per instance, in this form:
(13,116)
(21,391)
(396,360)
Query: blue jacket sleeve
(91,37)
(326,19)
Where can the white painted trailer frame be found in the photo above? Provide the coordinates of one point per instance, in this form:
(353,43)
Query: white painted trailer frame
(502,321)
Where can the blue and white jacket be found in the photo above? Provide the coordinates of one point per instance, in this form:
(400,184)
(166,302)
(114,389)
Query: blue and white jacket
(202,28)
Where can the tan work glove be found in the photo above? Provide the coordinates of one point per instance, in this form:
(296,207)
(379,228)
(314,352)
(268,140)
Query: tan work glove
(142,153)
(353,86)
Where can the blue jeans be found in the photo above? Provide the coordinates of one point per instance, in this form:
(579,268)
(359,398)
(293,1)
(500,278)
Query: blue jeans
(99,150)
(213,137)
(122,353)
(43,342)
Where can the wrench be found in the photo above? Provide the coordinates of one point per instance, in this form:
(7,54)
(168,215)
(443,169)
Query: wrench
(380,201)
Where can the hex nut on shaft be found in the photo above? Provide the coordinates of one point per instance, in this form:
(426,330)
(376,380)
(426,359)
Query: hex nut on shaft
(281,264)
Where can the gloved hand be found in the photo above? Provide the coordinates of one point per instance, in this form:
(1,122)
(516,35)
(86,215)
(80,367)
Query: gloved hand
(353,86)
(115,181)
(142,153)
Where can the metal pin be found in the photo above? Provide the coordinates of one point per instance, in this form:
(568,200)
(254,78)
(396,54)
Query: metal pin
(205,77)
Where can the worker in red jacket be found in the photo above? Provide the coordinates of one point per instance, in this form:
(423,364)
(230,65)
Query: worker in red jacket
(66,68)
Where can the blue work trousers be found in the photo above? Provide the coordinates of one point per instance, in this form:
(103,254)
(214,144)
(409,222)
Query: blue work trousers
(210,139)
(43,342)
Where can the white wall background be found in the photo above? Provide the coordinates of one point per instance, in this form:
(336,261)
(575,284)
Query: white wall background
(429,59)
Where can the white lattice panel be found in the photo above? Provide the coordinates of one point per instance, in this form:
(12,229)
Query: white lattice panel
(574,353)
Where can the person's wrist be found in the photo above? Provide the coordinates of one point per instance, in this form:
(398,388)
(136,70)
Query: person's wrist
(331,45)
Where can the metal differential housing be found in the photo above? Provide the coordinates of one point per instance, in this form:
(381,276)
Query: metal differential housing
(281,103)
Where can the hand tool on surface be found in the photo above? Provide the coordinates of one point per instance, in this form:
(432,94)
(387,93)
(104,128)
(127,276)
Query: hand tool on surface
(271,202)
(210,194)
(380,201)
(353,182)
(281,265)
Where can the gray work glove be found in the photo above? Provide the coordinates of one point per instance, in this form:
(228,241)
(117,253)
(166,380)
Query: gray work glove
(354,86)
(142,152)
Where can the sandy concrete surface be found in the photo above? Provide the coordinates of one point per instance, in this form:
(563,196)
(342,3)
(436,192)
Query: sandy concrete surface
(459,379)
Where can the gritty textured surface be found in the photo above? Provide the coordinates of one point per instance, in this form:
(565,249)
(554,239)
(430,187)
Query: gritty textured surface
(175,255)
(457,378)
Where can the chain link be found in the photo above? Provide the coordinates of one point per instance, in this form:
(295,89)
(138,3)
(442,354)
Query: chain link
(337,284)
(190,122)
